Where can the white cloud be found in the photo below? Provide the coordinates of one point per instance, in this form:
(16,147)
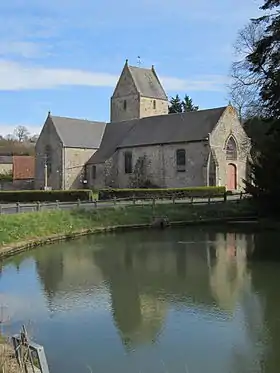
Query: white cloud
(15,77)
(22,48)
(210,83)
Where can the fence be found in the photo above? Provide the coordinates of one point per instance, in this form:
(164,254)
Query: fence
(39,206)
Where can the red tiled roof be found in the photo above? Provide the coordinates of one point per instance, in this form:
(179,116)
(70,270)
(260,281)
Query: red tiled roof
(23,167)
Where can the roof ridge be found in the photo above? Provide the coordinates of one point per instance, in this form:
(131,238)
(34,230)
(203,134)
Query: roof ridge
(83,119)
(158,80)
(54,126)
(181,114)
(139,67)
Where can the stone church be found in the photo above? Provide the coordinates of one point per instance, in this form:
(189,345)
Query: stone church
(143,145)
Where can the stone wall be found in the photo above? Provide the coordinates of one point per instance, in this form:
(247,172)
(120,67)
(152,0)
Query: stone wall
(125,91)
(150,107)
(160,166)
(67,164)
(118,113)
(98,180)
(153,171)
(49,137)
(127,104)
(229,125)
(74,162)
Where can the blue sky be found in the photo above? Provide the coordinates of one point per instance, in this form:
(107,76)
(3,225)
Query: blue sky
(66,55)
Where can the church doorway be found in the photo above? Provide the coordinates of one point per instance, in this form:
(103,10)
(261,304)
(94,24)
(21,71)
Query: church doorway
(231,177)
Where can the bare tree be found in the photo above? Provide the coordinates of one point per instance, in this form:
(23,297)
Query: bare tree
(21,133)
(9,137)
(34,138)
(244,87)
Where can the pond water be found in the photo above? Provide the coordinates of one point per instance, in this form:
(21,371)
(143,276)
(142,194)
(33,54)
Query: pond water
(182,300)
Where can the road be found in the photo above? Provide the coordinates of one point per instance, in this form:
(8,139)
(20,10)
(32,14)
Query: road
(12,208)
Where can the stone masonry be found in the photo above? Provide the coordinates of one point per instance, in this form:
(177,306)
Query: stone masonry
(65,145)
(49,136)
(206,162)
(229,125)
(75,159)
(128,103)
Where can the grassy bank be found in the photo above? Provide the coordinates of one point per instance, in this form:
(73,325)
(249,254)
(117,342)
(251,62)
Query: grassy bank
(36,225)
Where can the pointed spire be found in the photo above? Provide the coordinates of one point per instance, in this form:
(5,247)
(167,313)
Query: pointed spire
(49,113)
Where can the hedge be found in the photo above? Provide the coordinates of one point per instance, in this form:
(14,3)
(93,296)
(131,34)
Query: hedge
(45,195)
(6,177)
(105,194)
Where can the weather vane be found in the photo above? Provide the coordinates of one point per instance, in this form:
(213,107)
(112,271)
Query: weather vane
(139,61)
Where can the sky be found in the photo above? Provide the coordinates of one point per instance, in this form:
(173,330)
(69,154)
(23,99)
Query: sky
(65,56)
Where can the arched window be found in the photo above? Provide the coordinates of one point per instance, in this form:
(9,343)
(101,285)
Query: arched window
(124,105)
(231,150)
(181,160)
(154,104)
(128,162)
(48,158)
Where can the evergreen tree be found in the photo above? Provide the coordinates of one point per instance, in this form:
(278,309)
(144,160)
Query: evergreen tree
(265,171)
(257,130)
(175,105)
(265,61)
(181,106)
(188,105)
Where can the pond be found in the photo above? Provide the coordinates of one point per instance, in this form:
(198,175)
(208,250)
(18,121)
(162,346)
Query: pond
(180,300)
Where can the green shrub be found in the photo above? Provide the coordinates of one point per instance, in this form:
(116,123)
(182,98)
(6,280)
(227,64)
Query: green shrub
(6,176)
(46,195)
(167,193)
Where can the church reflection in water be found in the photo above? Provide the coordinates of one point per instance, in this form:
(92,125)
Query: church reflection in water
(148,277)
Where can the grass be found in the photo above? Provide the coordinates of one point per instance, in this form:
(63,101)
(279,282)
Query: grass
(6,362)
(35,225)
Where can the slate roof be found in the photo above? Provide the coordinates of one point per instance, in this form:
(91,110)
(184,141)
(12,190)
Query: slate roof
(23,167)
(162,129)
(113,136)
(79,133)
(172,128)
(147,83)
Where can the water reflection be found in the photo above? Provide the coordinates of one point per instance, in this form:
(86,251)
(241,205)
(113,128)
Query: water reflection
(229,275)
(150,281)
(145,277)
